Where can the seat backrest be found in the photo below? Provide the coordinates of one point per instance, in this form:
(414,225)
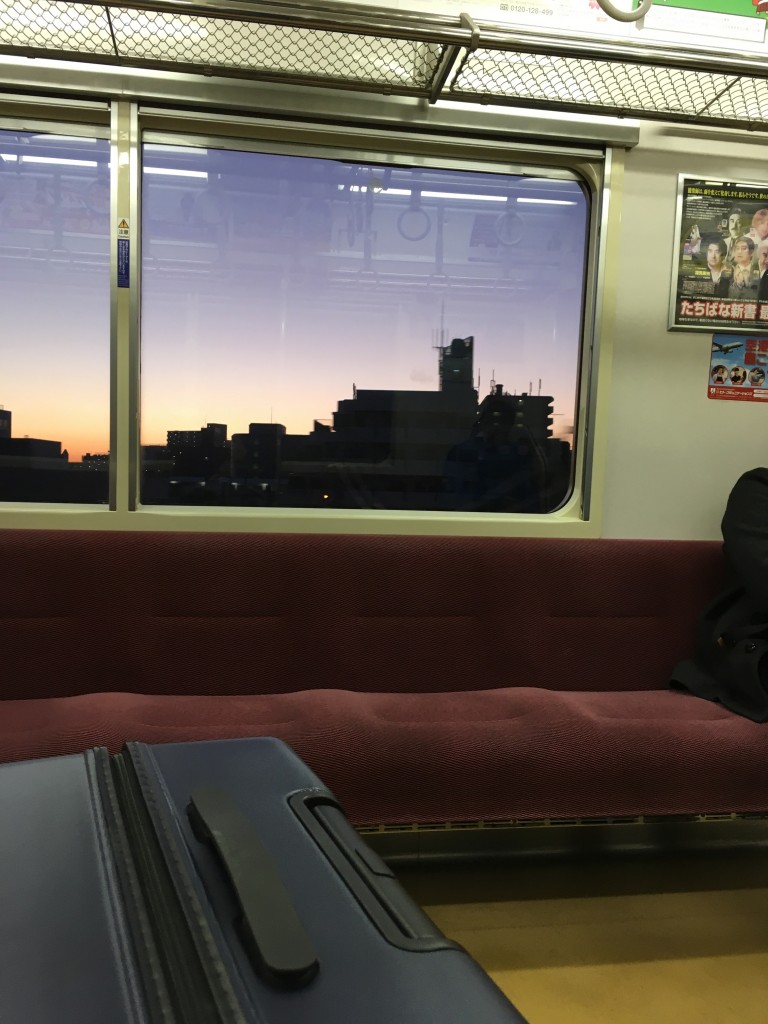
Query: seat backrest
(235,613)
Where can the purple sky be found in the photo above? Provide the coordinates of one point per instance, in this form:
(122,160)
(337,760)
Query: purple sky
(306,289)
(273,284)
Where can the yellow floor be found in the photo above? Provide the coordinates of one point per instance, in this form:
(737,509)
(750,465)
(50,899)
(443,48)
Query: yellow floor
(682,940)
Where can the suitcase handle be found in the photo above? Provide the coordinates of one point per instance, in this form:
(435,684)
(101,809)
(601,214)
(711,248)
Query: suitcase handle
(274,938)
(379,894)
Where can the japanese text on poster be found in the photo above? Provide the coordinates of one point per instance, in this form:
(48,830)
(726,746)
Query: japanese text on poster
(721,267)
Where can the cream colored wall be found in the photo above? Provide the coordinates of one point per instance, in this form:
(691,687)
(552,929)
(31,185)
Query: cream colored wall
(672,455)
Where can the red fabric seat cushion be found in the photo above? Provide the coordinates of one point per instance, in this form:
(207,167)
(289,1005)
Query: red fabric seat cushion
(484,754)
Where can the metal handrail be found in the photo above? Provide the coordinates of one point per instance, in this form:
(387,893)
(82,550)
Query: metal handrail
(458,59)
(344,18)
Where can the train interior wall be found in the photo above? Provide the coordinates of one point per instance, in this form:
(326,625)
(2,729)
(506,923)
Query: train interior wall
(672,454)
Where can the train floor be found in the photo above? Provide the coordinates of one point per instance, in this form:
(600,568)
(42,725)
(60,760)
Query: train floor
(675,940)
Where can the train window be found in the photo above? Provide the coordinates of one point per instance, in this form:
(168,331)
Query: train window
(321,333)
(54,294)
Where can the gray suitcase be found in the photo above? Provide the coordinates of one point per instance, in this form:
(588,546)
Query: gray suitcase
(214,882)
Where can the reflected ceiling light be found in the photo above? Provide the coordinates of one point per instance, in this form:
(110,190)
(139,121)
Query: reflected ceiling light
(164,147)
(549,202)
(464,195)
(171,172)
(67,138)
(457,195)
(25,159)
(425,193)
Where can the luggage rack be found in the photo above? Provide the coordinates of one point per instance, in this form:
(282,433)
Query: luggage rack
(372,49)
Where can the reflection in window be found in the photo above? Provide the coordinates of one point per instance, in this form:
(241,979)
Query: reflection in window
(54,295)
(319,333)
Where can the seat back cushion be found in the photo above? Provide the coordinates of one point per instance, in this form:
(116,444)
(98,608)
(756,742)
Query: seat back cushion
(250,613)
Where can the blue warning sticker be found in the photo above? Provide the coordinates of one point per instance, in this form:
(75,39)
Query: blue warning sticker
(123,263)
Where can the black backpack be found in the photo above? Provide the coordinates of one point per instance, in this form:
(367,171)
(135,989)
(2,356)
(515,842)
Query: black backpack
(730,663)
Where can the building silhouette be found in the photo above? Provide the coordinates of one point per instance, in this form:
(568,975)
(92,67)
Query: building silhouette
(386,448)
(443,449)
(509,462)
(200,460)
(428,450)
(95,463)
(35,452)
(257,454)
(34,469)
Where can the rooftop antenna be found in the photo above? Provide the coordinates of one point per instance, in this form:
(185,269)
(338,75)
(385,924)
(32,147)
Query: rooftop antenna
(493,381)
(539,385)
(530,387)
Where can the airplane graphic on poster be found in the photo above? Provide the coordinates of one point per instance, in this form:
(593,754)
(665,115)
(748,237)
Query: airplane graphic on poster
(739,376)
(729,346)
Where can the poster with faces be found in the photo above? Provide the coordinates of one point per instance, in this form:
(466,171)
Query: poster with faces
(720,269)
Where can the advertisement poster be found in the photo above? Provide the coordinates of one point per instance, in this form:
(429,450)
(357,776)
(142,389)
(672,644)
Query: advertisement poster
(731,25)
(738,368)
(736,8)
(722,23)
(720,271)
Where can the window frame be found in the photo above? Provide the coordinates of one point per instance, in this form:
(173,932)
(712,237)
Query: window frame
(132,125)
(82,119)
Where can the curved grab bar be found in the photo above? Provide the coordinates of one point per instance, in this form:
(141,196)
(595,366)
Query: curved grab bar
(614,12)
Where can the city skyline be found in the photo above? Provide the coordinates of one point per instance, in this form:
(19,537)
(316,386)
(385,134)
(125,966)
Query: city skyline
(76,456)
(436,450)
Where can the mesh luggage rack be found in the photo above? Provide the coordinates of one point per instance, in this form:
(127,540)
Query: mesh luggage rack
(375,50)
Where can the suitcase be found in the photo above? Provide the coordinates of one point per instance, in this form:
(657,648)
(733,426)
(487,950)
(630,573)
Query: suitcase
(210,883)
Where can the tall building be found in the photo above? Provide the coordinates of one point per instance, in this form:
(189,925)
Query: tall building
(200,453)
(5,423)
(387,448)
(518,416)
(257,455)
(456,362)
(510,463)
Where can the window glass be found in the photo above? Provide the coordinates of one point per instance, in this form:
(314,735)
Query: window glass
(322,333)
(54,296)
